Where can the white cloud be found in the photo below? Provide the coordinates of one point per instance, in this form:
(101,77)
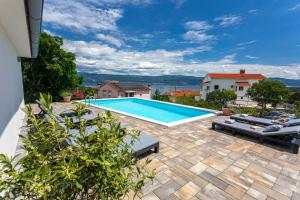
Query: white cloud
(251,57)
(228,20)
(80,17)
(198,37)
(178,3)
(229,59)
(100,58)
(246,43)
(198,25)
(110,39)
(121,2)
(294,8)
(253,11)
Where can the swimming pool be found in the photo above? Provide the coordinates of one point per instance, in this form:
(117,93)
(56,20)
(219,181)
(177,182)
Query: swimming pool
(163,113)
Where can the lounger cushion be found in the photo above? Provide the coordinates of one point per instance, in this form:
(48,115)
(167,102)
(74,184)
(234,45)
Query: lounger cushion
(272,128)
(142,142)
(242,127)
(229,121)
(87,117)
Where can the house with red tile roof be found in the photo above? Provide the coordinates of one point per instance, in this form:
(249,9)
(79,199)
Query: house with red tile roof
(116,89)
(173,94)
(239,82)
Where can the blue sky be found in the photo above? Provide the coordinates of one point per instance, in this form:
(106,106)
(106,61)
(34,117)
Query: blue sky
(185,37)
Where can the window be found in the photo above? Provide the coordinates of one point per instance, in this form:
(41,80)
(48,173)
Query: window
(207,88)
(216,87)
(231,86)
(241,88)
(242,97)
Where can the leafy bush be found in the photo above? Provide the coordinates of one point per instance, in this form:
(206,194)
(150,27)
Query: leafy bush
(65,93)
(160,97)
(221,97)
(78,95)
(59,164)
(190,101)
(88,91)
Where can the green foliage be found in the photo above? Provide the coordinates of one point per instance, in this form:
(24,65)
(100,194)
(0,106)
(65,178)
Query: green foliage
(62,165)
(221,98)
(294,97)
(160,97)
(52,71)
(190,101)
(268,91)
(246,110)
(65,93)
(88,91)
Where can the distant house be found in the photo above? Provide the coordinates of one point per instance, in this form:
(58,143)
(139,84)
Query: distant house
(173,94)
(239,82)
(115,89)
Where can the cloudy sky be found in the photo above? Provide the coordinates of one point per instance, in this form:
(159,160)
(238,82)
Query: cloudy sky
(185,37)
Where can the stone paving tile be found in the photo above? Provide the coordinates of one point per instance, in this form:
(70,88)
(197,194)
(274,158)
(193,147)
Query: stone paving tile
(256,194)
(150,196)
(269,192)
(166,189)
(296,196)
(198,168)
(214,180)
(217,164)
(210,192)
(188,191)
(285,190)
(235,192)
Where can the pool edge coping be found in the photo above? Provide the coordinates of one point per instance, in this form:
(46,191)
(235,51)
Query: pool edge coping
(170,124)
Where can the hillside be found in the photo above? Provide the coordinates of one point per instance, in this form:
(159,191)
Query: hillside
(178,80)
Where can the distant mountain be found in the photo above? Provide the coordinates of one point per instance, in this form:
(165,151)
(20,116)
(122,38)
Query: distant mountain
(176,80)
(94,79)
(289,82)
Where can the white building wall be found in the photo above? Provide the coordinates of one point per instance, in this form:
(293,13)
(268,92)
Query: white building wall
(227,84)
(143,95)
(12,100)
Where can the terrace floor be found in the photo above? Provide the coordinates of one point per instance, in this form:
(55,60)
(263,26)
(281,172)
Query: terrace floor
(196,162)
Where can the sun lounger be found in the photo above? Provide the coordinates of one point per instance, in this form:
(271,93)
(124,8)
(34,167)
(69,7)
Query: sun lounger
(286,136)
(263,121)
(143,144)
(89,116)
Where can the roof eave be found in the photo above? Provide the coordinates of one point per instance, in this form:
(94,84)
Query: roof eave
(34,12)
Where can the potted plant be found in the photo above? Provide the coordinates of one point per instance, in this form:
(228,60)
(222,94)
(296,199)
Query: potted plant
(66,95)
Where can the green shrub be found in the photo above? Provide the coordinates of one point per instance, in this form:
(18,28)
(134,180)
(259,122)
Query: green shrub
(61,165)
(221,97)
(160,97)
(65,93)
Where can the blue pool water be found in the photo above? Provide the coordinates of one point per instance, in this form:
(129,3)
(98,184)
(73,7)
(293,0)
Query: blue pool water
(154,110)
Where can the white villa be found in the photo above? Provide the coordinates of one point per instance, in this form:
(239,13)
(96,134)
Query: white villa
(239,82)
(20,25)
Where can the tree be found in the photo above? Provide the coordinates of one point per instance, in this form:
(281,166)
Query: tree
(221,97)
(268,91)
(160,97)
(60,164)
(52,71)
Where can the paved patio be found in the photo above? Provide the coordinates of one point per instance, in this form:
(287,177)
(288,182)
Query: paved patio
(196,162)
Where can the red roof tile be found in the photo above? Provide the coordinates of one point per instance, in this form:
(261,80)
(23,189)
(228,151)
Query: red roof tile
(237,76)
(243,83)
